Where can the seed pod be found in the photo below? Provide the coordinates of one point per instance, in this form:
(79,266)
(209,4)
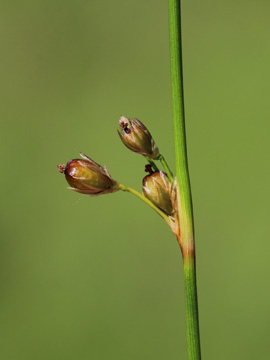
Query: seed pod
(87,177)
(137,137)
(156,187)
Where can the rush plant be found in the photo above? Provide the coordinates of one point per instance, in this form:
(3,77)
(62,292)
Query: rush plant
(168,195)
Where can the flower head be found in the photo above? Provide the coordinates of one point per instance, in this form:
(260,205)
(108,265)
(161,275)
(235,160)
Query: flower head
(87,177)
(137,137)
(156,187)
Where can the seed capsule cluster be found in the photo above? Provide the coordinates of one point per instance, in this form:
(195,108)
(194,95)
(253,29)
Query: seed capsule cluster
(88,177)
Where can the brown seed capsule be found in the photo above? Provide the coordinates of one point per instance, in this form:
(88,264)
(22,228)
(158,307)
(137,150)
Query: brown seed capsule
(87,177)
(137,137)
(156,187)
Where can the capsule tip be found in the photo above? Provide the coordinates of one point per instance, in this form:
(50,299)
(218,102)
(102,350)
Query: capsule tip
(61,168)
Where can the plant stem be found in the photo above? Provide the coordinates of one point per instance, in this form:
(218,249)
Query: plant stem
(152,163)
(166,167)
(186,240)
(148,202)
(193,337)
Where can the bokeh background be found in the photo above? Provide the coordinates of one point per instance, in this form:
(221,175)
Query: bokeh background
(101,278)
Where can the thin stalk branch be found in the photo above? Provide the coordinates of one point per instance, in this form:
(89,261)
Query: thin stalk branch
(184,202)
(166,167)
(148,202)
(152,163)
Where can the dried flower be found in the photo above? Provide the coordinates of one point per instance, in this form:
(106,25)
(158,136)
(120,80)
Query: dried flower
(87,177)
(137,137)
(156,187)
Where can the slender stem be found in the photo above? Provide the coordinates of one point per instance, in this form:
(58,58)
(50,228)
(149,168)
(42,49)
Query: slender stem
(193,337)
(166,167)
(152,163)
(184,202)
(148,202)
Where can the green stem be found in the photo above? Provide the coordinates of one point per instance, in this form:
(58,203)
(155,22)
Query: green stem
(184,202)
(166,167)
(152,163)
(148,202)
(193,338)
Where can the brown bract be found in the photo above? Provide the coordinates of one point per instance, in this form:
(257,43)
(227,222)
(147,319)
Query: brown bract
(137,138)
(175,221)
(87,177)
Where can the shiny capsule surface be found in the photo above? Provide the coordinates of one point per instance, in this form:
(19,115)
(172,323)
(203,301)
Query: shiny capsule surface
(87,177)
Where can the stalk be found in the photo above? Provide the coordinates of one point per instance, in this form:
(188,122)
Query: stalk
(166,167)
(147,201)
(152,163)
(186,238)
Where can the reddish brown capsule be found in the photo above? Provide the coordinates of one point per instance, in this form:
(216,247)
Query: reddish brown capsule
(156,187)
(87,177)
(137,138)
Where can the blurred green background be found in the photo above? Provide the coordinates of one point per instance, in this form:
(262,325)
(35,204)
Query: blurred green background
(101,278)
